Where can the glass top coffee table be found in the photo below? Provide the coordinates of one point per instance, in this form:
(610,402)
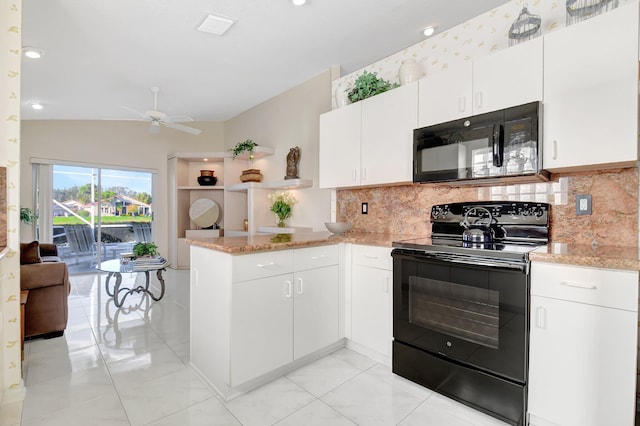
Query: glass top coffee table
(115,268)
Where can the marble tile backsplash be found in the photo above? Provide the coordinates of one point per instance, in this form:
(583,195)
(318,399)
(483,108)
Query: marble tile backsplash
(405,209)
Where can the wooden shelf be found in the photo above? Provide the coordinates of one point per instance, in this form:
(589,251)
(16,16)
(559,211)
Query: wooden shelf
(214,157)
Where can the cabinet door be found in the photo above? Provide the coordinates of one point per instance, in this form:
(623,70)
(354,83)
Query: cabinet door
(582,363)
(339,154)
(388,121)
(445,96)
(508,78)
(315,310)
(371,308)
(590,91)
(261,327)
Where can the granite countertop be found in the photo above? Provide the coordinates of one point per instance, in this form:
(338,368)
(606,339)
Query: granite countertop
(258,243)
(611,257)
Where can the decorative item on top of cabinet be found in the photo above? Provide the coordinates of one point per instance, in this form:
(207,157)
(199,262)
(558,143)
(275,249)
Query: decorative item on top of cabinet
(369,84)
(293,158)
(409,72)
(579,10)
(525,27)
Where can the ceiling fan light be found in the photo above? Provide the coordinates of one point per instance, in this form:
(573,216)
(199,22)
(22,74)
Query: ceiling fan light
(154,128)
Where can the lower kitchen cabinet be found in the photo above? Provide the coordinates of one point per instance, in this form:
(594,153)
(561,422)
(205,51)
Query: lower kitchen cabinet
(253,314)
(371,298)
(582,346)
(261,327)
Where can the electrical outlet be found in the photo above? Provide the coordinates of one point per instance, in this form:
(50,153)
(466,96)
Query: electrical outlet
(583,204)
(365,208)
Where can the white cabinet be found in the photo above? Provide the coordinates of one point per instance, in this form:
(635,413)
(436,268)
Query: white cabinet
(369,142)
(339,150)
(261,327)
(371,299)
(582,346)
(591,92)
(256,313)
(507,78)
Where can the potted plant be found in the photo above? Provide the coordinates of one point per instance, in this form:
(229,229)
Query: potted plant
(27,216)
(145,249)
(244,146)
(367,85)
(282,204)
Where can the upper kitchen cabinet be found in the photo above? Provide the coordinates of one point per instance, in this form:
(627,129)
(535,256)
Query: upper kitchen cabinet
(369,142)
(339,155)
(507,78)
(591,92)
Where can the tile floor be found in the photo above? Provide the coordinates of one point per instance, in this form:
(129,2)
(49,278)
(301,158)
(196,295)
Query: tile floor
(129,366)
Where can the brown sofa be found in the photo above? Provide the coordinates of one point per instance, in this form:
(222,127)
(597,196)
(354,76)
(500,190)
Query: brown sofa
(46,277)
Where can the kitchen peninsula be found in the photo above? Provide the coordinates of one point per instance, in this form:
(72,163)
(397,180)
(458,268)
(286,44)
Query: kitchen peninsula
(264,305)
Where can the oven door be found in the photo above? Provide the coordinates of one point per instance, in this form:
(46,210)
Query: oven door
(475,313)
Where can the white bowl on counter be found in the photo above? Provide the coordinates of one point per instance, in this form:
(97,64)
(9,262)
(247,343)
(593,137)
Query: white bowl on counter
(338,227)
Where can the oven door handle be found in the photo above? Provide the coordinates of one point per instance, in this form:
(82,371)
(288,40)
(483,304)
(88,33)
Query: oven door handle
(475,261)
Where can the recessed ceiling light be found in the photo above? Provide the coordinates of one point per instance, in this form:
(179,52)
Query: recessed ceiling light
(33,52)
(216,24)
(298,2)
(428,32)
(36,106)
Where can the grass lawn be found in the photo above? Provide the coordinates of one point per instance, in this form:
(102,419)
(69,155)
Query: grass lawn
(106,220)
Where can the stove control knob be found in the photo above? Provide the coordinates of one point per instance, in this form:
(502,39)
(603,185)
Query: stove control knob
(449,344)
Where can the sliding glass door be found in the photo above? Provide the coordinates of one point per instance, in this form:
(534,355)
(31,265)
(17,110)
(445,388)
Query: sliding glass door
(98,213)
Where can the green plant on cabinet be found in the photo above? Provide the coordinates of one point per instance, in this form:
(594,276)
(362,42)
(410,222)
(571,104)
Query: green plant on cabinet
(369,84)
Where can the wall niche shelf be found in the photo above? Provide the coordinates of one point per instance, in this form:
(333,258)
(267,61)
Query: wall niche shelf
(237,200)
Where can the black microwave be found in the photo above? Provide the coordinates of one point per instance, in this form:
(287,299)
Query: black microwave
(482,149)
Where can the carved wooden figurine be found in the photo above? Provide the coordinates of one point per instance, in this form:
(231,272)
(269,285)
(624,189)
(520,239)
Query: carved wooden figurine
(293,157)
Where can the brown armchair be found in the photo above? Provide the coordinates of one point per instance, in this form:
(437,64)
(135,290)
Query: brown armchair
(46,277)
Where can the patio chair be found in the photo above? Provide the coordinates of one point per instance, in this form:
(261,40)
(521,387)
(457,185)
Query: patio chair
(142,232)
(82,241)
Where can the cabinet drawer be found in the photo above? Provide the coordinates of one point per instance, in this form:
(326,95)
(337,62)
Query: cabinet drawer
(315,257)
(372,256)
(595,286)
(261,265)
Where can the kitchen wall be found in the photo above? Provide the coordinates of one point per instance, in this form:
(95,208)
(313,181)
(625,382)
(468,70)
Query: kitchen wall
(283,122)
(405,209)
(113,143)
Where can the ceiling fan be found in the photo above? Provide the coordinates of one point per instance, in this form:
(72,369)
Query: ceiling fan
(157,118)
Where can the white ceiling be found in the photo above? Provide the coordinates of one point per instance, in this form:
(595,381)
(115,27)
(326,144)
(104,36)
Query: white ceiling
(100,55)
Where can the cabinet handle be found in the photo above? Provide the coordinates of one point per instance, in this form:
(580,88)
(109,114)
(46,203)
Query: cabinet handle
(301,290)
(264,265)
(289,292)
(385,286)
(554,150)
(322,256)
(541,318)
(462,103)
(354,175)
(364,173)
(578,285)
(478,99)
(369,256)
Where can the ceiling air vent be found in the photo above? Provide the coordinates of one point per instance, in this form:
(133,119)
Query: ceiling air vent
(216,24)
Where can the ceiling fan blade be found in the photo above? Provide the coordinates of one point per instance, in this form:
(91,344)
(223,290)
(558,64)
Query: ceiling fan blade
(142,115)
(177,118)
(182,128)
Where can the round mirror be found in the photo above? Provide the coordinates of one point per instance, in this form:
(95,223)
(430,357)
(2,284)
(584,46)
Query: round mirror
(204,212)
